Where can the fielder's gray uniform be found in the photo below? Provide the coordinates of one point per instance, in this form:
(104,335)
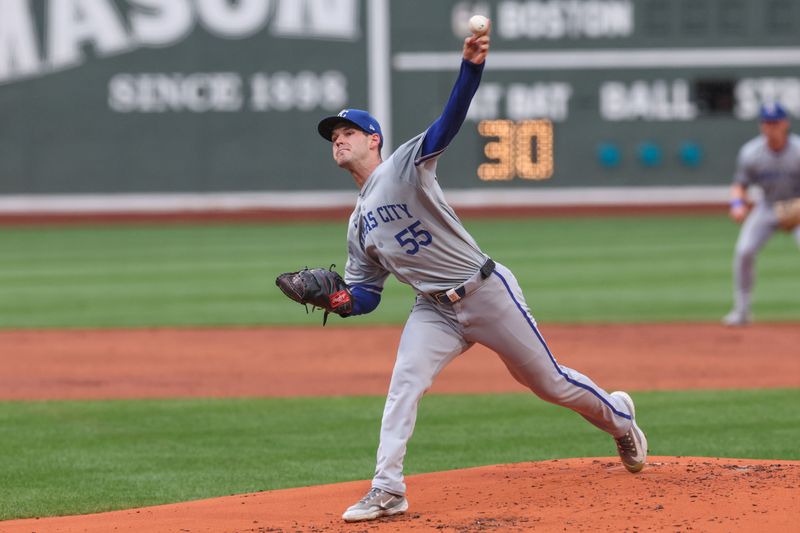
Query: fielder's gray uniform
(402,225)
(778,175)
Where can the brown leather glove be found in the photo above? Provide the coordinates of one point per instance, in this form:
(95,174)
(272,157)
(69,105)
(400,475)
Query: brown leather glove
(788,213)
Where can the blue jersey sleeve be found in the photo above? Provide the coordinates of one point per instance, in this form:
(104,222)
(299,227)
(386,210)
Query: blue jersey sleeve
(365,299)
(444,129)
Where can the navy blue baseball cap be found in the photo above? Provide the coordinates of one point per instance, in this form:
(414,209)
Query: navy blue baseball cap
(357,117)
(772,112)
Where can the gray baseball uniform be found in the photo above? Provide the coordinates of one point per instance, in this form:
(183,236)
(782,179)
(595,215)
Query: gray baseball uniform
(402,225)
(778,175)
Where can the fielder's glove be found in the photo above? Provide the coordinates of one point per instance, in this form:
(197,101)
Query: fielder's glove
(788,213)
(320,287)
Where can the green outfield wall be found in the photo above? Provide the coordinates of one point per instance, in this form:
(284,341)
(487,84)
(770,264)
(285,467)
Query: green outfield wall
(122,96)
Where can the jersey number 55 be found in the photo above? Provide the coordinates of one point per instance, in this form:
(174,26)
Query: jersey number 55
(414,238)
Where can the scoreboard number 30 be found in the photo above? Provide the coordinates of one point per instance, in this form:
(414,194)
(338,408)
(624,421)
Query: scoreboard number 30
(522,149)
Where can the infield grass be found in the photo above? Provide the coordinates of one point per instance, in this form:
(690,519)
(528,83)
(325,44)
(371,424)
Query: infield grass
(80,457)
(611,269)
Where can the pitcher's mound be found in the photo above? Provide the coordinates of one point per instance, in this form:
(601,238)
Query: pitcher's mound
(594,494)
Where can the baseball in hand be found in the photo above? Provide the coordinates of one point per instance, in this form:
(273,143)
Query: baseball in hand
(478,24)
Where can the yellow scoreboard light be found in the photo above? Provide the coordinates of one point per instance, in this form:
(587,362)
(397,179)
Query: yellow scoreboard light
(522,149)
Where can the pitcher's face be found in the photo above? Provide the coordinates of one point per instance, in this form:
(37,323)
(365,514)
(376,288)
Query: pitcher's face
(350,145)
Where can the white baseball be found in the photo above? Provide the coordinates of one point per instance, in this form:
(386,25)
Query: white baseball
(478,24)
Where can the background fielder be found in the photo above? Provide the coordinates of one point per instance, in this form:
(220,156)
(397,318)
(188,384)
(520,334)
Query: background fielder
(402,225)
(770,161)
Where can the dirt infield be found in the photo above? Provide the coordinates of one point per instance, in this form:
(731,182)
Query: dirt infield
(671,494)
(165,363)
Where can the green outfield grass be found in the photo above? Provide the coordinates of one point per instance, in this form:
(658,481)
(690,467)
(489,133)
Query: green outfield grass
(79,457)
(621,269)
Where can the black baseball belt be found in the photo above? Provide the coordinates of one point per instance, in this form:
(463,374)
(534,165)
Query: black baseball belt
(455,294)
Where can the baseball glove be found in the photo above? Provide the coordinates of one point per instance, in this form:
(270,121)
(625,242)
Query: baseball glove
(320,287)
(788,213)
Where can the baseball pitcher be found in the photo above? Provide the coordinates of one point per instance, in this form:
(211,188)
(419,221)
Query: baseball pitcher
(402,225)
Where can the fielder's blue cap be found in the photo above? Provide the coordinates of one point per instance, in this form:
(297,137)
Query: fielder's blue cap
(357,117)
(772,112)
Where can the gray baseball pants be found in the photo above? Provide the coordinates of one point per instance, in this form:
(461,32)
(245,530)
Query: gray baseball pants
(756,230)
(492,313)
